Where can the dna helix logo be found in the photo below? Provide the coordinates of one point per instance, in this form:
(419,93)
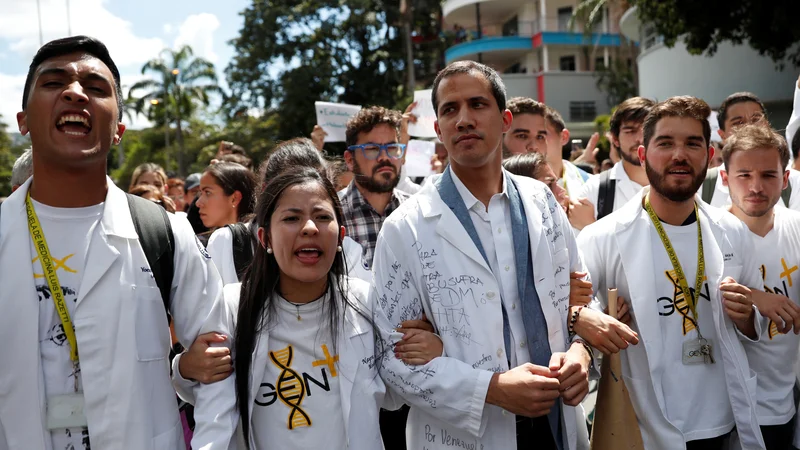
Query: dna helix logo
(291,389)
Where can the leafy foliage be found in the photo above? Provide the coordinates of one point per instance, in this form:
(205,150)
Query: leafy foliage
(770,28)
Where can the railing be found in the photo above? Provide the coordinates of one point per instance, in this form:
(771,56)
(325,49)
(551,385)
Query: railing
(457,34)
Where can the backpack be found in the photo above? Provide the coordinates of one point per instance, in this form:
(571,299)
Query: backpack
(243,241)
(710,183)
(606,194)
(155,234)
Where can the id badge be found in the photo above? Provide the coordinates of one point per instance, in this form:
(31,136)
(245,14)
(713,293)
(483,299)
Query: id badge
(697,351)
(66,411)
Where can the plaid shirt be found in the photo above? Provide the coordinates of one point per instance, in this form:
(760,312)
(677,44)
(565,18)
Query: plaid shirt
(361,220)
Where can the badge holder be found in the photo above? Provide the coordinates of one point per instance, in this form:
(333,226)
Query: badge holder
(698,351)
(66,411)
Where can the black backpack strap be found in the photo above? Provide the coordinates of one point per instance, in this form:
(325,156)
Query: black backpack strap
(606,194)
(787,194)
(155,234)
(242,247)
(709,185)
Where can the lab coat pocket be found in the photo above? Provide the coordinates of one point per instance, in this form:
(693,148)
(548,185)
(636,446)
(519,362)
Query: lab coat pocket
(752,387)
(152,329)
(171,439)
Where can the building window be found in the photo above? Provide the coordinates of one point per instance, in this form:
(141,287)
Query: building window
(599,63)
(564,15)
(567,63)
(582,111)
(511,28)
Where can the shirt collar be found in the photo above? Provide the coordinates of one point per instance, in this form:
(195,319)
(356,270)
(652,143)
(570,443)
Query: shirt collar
(466,195)
(618,173)
(357,200)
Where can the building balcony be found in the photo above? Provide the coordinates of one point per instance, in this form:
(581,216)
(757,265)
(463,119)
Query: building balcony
(464,12)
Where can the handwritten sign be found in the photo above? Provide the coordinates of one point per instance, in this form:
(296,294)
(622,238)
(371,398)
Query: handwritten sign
(333,117)
(425,116)
(418,158)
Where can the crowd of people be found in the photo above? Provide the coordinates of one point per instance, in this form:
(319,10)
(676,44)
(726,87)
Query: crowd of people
(336,303)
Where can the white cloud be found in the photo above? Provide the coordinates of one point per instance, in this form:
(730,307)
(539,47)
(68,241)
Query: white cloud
(198,32)
(11,87)
(167,28)
(19,25)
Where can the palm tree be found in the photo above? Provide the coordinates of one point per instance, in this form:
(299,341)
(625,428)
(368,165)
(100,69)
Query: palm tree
(181,82)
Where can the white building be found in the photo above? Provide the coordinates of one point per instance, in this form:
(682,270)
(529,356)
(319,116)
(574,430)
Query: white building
(531,44)
(666,72)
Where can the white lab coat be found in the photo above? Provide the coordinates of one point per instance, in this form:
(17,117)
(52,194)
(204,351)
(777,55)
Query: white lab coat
(362,390)
(423,244)
(618,254)
(122,334)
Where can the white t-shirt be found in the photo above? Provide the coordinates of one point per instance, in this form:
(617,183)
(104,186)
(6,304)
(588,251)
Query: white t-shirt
(68,232)
(778,255)
(624,190)
(695,396)
(722,196)
(298,405)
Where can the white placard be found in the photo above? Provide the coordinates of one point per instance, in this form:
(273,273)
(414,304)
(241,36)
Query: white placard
(418,158)
(425,115)
(333,117)
(712,120)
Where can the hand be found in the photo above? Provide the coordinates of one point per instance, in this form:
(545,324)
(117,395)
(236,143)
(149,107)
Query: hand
(422,324)
(436,165)
(204,363)
(580,290)
(318,137)
(527,390)
(588,152)
(623,311)
(418,347)
(580,213)
(738,303)
(573,373)
(779,309)
(604,332)
(407,118)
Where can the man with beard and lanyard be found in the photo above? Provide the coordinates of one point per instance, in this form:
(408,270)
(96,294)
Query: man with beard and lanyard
(613,188)
(755,171)
(375,155)
(683,268)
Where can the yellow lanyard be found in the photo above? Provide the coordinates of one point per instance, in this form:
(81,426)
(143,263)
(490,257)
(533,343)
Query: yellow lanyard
(676,265)
(51,276)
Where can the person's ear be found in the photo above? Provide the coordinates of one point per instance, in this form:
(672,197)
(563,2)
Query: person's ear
(236,197)
(348,159)
(642,153)
(342,233)
(263,238)
(724,175)
(22,122)
(564,137)
(120,131)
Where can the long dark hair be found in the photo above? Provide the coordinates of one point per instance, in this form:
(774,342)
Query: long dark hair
(289,155)
(233,177)
(260,282)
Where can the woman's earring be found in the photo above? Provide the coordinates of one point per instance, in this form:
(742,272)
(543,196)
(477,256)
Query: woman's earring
(269,250)
(339,249)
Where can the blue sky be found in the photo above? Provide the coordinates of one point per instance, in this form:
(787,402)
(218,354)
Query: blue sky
(134,30)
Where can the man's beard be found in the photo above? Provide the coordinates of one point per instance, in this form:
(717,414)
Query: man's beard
(376,183)
(626,156)
(675,194)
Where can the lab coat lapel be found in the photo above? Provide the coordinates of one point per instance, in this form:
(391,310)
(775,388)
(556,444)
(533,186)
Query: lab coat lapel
(348,364)
(258,365)
(22,408)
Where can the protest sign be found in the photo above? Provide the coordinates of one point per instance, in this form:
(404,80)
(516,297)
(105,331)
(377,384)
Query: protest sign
(418,158)
(333,117)
(425,115)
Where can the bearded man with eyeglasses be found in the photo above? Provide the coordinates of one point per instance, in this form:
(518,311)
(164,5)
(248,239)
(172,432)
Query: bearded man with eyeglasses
(375,155)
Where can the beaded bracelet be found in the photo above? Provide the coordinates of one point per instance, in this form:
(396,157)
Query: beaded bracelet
(572,320)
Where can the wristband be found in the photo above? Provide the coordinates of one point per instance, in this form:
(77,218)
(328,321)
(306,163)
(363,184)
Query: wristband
(573,318)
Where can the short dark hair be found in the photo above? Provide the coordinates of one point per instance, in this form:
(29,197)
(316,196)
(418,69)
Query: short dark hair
(739,97)
(752,137)
(74,44)
(796,144)
(554,118)
(466,67)
(634,109)
(525,105)
(681,106)
(369,118)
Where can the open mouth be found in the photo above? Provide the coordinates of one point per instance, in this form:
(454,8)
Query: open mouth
(309,255)
(680,172)
(74,124)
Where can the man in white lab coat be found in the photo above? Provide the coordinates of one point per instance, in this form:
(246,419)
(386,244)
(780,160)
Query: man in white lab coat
(84,327)
(683,268)
(756,160)
(486,256)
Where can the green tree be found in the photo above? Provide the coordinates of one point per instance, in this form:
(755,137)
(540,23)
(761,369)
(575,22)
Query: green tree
(290,53)
(770,28)
(7,159)
(617,81)
(181,83)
